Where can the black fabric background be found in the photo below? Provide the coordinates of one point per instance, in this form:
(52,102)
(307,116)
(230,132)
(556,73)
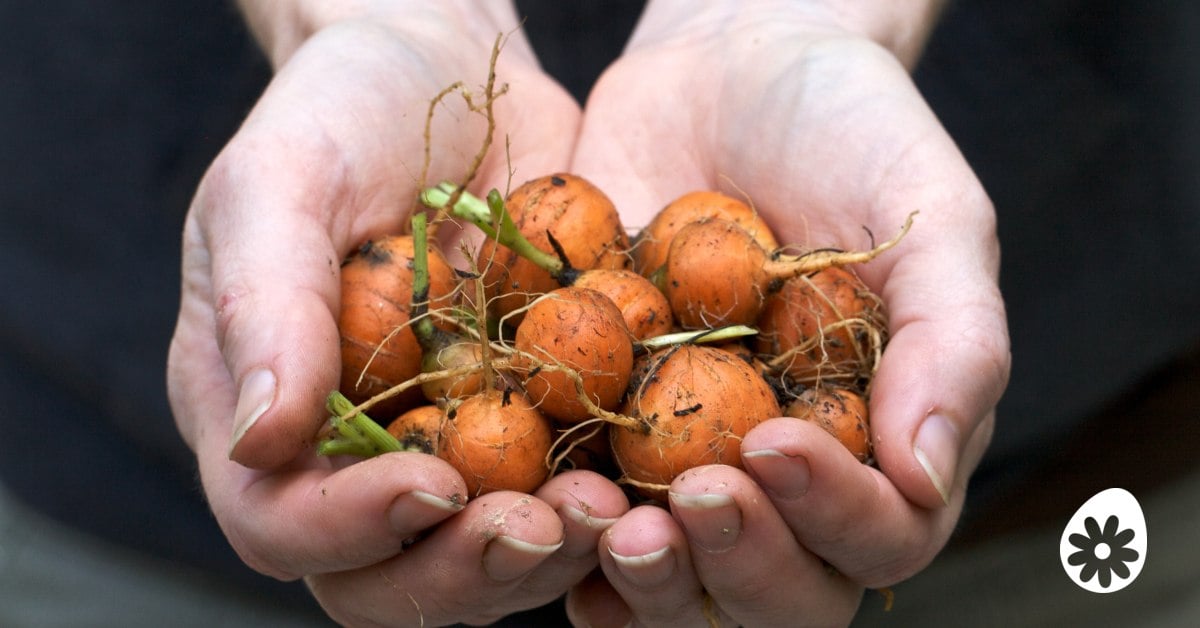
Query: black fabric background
(109,112)
(1079,117)
(1083,121)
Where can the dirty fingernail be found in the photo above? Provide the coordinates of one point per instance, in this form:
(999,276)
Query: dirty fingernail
(418,510)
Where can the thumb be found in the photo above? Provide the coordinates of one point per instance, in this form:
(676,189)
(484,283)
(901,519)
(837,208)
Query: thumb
(274,274)
(945,367)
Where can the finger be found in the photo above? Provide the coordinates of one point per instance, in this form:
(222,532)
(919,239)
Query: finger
(645,557)
(300,186)
(274,291)
(469,569)
(312,519)
(848,513)
(946,364)
(747,557)
(595,603)
(587,504)
(283,345)
(292,192)
(947,360)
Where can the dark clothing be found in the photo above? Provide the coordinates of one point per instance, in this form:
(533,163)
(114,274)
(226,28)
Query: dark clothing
(109,113)
(1081,118)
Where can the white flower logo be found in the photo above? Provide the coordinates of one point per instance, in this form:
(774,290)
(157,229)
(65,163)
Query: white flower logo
(1103,547)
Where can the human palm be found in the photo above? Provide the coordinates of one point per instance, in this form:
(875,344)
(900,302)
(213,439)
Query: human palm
(331,156)
(821,128)
(824,131)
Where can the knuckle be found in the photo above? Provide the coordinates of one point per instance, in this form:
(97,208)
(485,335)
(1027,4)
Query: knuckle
(260,560)
(228,309)
(907,560)
(750,591)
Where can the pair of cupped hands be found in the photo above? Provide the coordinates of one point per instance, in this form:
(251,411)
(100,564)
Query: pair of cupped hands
(807,110)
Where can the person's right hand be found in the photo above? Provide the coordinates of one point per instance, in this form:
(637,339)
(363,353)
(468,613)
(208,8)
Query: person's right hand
(329,157)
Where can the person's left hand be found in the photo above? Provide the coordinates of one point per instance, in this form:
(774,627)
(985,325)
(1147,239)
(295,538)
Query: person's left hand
(794,106)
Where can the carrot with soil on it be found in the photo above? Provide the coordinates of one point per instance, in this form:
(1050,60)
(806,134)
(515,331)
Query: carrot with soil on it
(642,304)
(419,430)
(716,274)
(840,412)
(562,206)
(576,330)
(652,242)
(822,328)
(497,440)
(689,405)
(379,349)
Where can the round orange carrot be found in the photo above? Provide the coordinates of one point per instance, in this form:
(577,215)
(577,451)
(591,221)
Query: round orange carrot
(577,214)
(581,330)
(652,242)
(823,327)
(840,412)
(379,349)
(692,406)
(419,429)
(497,440)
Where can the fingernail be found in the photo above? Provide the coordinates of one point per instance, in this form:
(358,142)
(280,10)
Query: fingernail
(712,521)
(936,450)
(646,570)
(583,543)
(254,398)
(506,558)
(417,510)
(450,503)
(587,519)
(781,475)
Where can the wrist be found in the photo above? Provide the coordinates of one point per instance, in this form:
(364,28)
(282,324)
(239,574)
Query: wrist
(903,26)
(900,26)
(282,27)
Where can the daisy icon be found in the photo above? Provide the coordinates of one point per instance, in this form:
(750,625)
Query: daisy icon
(1102,552)
(1103,547)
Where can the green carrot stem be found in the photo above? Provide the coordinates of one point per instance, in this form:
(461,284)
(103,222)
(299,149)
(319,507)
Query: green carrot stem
(468,207)
(493,219)
(356,433)
(339,447)
(728,332)
(423,327)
